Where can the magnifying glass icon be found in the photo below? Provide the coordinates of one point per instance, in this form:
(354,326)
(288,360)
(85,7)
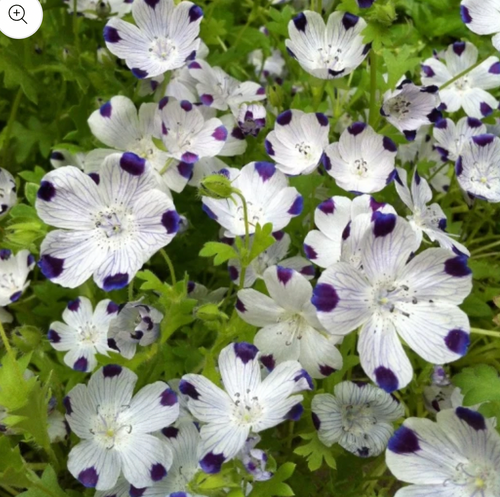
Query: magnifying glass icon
(17,13)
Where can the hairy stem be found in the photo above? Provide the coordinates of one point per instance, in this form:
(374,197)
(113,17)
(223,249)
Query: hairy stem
(170,266)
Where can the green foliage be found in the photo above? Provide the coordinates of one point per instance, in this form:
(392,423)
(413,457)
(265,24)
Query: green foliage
(315,452)
(479,384)
(275,486)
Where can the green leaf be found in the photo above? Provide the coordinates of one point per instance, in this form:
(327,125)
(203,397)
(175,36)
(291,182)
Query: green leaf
(34,176)
(262,240)
(30,191)
(14,388)
(221,251)
(478,384)
(398,63)
(12,470)
(48,482)
(16,75)
(315,452)
(474,306)
(275,486)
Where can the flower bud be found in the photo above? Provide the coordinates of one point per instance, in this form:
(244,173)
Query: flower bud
(216,186)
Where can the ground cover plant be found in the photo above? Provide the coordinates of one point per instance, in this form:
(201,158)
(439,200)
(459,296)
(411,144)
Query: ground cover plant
(250,248)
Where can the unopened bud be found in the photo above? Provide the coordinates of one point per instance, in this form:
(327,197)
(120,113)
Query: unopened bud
(217,186)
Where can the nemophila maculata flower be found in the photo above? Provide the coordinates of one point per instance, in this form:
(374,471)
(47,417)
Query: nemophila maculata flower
(119,125)
(361,161)
(219,90)
(255,460)
(14,271)
(477,168)
(99,9)
(185,133)
(84,332)
(428,219)
(165,36)
(115,428)
(273,255)
(358,416)
(298,141)
(251,118)
(483,18)
(269,199)
(327,51)
(109,224)
(342,224)
(247,404)
(183,439)
(273,67)
(469,91)
(290,329)
(451,137)
(457,456)
(135,324)
(8,196)
(393,296)
(409,107)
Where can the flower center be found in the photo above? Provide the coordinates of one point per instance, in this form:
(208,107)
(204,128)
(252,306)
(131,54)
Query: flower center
(109,427)
(480,479)
(360,166)
(255,214)
(462,84)
(304,149)
(114,223)
(162,48)
(330,58)
(246,409)
(388,295)
(296,324)
(398,106)
(88,333)
(358,419)
(480,175)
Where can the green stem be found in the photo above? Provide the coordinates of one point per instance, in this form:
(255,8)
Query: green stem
(485,247)
(10,124)
(166,166)
(170,266)
(131,291)
(462,74)
(373,89)
(488,333)
(247,238)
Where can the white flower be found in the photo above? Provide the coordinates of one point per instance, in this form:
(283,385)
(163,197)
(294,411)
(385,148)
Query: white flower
(409,107)
(14,270)
(135,324)
(358,416)
(298,141)
(184,442)
(428,219)
(477,168)
(483,18)
(185,133)
(468,92)
(272,256)
(342,224)
(251,118)
(271,67)
(165,38)
(219,90)
(88,162)
(361,161)
(117,124)
(255,460)
(451,138)
(121,489)
(84,332)
(290,329)
(109,229)
(459,456)
(327,51)
(98,9)
(269,199)
(116,429)
(57,427)
(8,196)
(390,296)
(248,403)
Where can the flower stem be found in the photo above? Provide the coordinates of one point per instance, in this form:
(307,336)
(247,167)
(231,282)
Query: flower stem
(462,74)
(485,247)
(170,266)
(11,354)
(247,238)
(488,333)
(373,118)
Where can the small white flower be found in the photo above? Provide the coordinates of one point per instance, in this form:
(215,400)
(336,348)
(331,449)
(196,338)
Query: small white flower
(251,118)
(358,416)
(116,429)
(109,229)
(459,456)
(451,138)
(327,51)
(469,91)
(219,90)
(248,403)
(273,67)
(14,270)
(272,256)
(483,18)
(390,296)
(255,460)
(8,196)
(165,38)
(57,427)
(409,107)
(361,161)
(135,324)
(84,332)
(298,141)
(290,329)
(185,133)
(98,9)
(269,199)
(477,168)
(428,219)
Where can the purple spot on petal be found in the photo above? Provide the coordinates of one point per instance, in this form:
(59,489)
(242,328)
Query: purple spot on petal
(349,20)
(308,270)
(464,12)
(347,231)
(459,47)
(234,274)
(111,35)
(57,156)
(111,370)
(383,224)
(284,274)
(170,432)
(285,118)
(67,405)
(404,441)
(189,157)
(246,352)
(268,361)
(88,477)
(187,106)
(458,167)
(457,266)
(220,133)
(457,341)
(261,91)
(53,336)
(300,22)
(483,140)
(304,375)
(152,3)
(295,412)
(168,397)
(185,169)
(356,128)
(211,463)
(389,144)
(269,148)
(158,472)
(495,68)
(311,254)
(132,164)
(188,389)
(485,109)
(133,491)
(15,296)
(5,254)
(474,419)
(209,212)
(265,170)
(115,281)
(81,364)
(324,298)
(163,102)
(240,305)
(316,421)
(95,178)
(195,13)
(297,206)
(322,119)
(170,221)
(51,267)
(206,99)
(328,206)
(386,379)
(428,71)
(74,305)
(410,135)
(139,73)
(327,163)
(112,308)
(46,191)
(326,370)
(473,122)
(278,235)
